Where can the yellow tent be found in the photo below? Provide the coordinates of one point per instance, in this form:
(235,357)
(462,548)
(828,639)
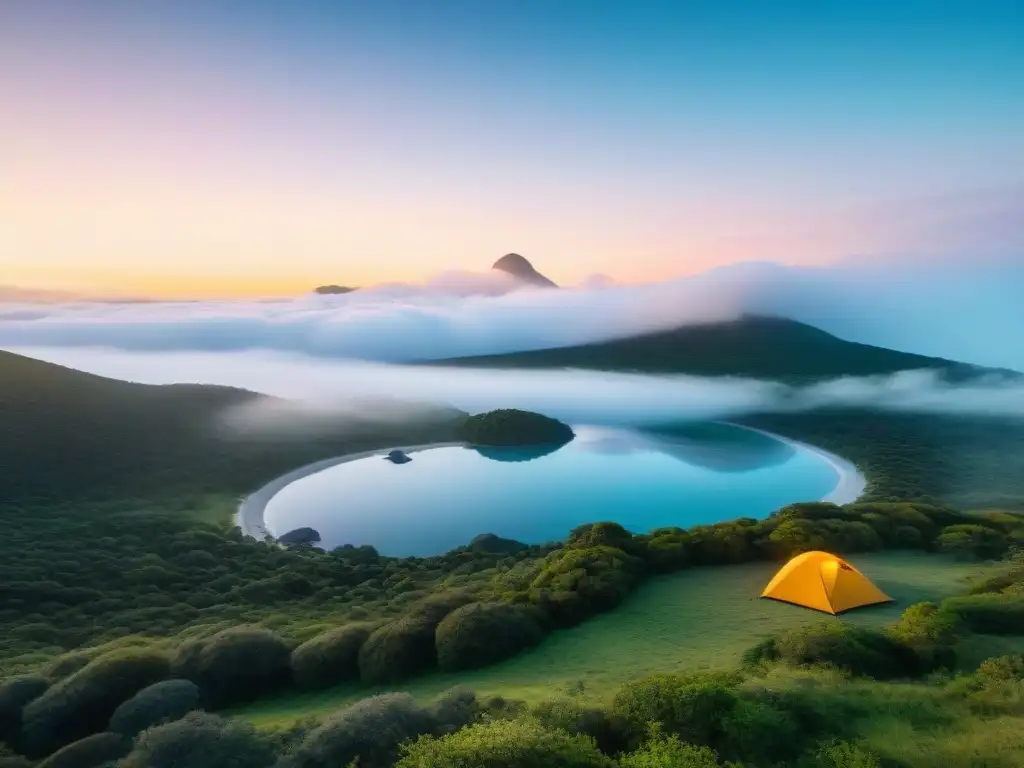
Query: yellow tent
(823,582)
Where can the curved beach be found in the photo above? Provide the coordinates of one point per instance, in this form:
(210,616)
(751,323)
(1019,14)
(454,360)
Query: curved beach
(852,483)
(250,511)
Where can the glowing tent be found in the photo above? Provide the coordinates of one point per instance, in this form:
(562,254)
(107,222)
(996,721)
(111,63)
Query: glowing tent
(823,582)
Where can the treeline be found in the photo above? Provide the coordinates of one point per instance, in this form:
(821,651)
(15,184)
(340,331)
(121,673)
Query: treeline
(963,461)
(150,709)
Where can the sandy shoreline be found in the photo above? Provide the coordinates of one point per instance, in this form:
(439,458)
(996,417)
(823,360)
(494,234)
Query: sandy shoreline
(249,516)
(852,483)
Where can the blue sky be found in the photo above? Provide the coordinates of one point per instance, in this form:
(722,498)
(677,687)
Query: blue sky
(169,147)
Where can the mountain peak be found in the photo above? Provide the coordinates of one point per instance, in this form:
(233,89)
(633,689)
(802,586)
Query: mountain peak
(518,266)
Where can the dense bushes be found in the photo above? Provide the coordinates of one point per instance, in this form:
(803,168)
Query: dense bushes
(82,704)
(201,740)
(479,634)
(669,752)
(369,732)
(972,541)
(508,744)
(856,650)
(573,584)
(235,664)
(694,707)
(15,694)
(511,427)
(931,633)
(405,647)
(997,614)
(91,752)
(330,658)
(160,703)
(608,730)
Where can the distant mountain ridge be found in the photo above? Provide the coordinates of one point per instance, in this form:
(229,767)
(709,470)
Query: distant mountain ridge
(753,346)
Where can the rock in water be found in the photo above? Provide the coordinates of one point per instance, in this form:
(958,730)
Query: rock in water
(517,266)
(398,457)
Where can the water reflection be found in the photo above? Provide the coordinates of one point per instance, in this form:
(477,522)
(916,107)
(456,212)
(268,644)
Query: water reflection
(722,448)
(686,476)
(517,454)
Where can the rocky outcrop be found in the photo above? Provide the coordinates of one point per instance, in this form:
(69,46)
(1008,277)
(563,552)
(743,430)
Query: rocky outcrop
(398,457)
(517,266)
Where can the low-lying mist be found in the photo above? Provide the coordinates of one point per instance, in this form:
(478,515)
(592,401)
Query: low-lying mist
(386,392)
(968,309)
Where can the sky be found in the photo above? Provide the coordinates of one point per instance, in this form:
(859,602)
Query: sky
(244,148)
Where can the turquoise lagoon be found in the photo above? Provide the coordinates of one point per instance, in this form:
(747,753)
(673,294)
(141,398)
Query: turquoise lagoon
(690,475)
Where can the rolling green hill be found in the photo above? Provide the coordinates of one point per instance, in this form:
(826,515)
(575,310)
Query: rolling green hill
(758,347)
(65,435)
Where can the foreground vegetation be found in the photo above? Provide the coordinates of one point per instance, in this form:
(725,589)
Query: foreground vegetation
(118,573)
(827,694)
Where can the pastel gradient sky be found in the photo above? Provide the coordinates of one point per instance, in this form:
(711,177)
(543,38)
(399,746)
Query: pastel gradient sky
(242,147)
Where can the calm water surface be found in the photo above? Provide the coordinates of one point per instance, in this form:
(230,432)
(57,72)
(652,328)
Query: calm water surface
(445,496)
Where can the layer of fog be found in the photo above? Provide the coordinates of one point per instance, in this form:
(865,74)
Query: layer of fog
(581,397)
(964,309)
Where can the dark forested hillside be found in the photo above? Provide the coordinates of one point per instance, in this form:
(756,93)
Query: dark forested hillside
(758,347)
(65,434)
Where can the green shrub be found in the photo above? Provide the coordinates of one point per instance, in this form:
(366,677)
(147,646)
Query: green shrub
(660,751)
(405,647)
(609,731)
(398,650)
(480,634)
(996,614)
(82,704)
(931,633)
(574,584)
(235,665)
(369,731)
(160,703)
(67,664)
(842,754)
(91,752)
(330,658)
(856,650)
(201,740)
(972,541)
(1000,669)
(757,732)
(668,550)
(455,708)
(693,707)
(15,694)
(504,744)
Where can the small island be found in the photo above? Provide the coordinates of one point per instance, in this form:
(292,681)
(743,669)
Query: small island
(300,536)
(512,427)
(333,290)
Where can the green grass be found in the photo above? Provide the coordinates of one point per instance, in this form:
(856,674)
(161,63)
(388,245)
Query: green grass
(703,618)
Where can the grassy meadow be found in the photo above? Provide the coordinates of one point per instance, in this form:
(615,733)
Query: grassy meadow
(701,619)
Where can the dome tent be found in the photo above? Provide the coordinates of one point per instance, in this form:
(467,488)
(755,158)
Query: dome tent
(823,582)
